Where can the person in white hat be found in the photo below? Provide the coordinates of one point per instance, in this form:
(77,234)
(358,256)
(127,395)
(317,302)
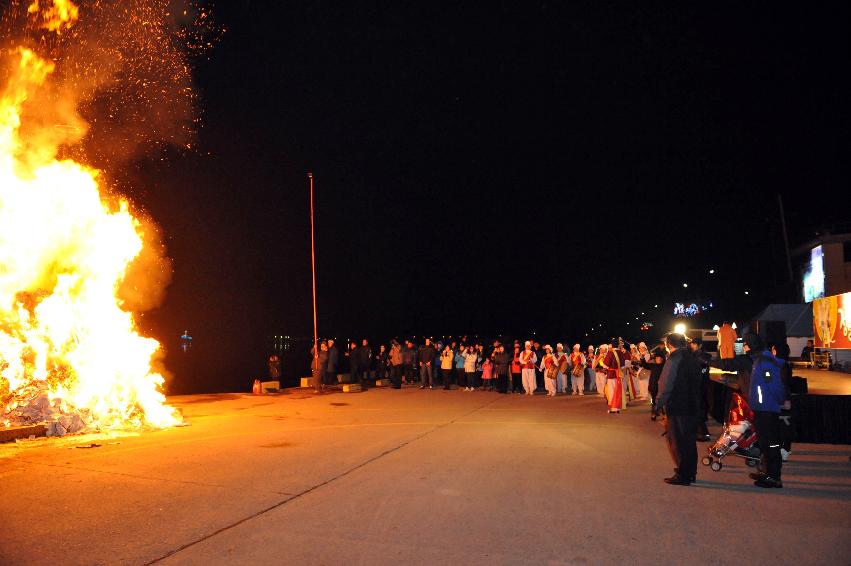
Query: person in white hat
(527,363)
(577,373)
(548,366)
(561,364)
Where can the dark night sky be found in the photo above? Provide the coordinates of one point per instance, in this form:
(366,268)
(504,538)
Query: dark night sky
(535,167)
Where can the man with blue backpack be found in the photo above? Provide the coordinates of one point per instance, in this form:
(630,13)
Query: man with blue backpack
(759,379)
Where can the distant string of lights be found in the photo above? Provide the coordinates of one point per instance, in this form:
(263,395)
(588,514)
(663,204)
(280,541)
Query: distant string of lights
(680,310)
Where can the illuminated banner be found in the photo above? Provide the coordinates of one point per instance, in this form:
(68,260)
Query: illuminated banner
(832,321)
(691,309)
(813,283)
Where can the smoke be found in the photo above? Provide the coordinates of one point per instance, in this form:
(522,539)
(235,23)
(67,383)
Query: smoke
(121,88)
(146,279)
(123,82)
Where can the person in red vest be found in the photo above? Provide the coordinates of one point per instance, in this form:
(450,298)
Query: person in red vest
(577,372)
(527,363)
(550,369)
(614,388)
(562,362)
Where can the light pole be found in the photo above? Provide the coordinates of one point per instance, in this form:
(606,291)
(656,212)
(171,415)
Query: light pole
(313,272)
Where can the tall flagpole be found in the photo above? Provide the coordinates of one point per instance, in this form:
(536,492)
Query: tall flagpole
(313,271)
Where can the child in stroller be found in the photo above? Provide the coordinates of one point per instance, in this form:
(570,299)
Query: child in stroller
(738,437)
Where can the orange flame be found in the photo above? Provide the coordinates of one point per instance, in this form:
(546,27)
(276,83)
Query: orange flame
(67,347)
(60,14)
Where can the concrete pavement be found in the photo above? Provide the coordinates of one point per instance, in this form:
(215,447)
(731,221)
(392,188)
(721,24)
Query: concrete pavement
(409,477)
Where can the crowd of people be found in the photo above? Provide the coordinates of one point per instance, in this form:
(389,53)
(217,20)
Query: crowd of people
(621,372)
(673,375)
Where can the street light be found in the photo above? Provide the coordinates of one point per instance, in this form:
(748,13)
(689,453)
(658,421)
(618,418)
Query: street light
(680,328)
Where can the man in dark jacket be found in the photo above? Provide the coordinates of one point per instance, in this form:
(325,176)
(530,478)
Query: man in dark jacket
(427,355)
(655,365)
(741,365)
(352,355)
(679,394)
(364,356)
(317,366)
(501,363)
(331,364)
(696,347)
(409,355)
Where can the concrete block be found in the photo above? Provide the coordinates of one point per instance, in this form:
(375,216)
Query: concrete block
(382,383)
(16,432)
(270,386)
(351,387)
(306,382)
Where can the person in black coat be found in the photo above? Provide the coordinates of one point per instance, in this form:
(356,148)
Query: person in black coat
(501,363)
(655,365)
(352,355)
(332,363)
(364,357)
(426,355)
(704,358)
(381,362)
(679,394)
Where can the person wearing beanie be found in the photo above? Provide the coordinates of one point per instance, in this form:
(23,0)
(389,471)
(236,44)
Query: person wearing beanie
(759,374)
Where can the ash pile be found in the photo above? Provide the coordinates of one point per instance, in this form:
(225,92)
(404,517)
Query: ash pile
(31,405)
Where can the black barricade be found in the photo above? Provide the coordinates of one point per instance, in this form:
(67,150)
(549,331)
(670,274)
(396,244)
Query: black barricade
(817,419)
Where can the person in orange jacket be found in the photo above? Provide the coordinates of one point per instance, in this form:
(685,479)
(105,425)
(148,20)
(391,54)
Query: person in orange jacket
(726,341)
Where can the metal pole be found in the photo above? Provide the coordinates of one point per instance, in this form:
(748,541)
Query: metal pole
(313,272)
(785,238)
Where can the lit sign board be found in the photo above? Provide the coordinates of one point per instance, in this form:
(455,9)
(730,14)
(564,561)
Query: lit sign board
(690,309)
(814,276)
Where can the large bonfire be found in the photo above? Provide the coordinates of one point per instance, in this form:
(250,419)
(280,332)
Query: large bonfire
(71,354)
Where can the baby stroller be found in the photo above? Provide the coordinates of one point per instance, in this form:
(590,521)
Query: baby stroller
(738,438)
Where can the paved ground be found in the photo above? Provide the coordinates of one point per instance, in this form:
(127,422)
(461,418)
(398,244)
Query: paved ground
(409,477)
